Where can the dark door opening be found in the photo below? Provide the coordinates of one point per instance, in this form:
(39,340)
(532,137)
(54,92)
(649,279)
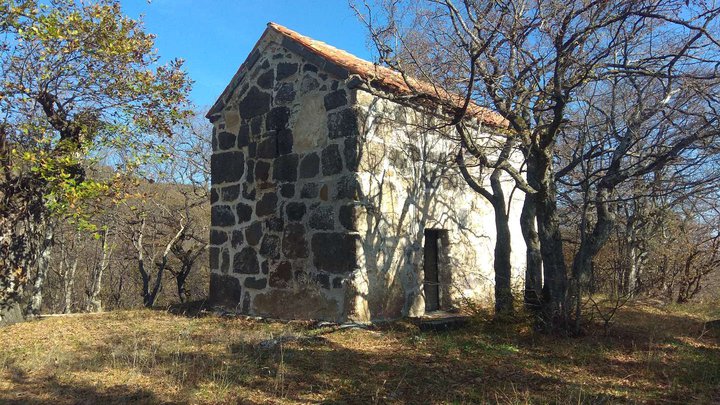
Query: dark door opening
(432,279)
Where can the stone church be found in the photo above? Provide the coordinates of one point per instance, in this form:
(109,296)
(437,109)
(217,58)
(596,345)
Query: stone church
(330,201)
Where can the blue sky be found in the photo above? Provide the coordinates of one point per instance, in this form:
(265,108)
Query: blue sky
(215,36)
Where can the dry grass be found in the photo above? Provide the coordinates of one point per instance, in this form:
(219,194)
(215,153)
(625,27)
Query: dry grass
(650,356)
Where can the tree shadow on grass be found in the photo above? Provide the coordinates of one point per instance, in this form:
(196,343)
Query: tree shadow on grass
(342,375)
(30,390)
(388,364)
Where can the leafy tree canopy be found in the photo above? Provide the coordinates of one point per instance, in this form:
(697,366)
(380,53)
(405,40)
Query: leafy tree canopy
(80,82)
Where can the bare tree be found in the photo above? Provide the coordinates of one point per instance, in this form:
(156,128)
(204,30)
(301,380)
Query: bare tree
(107,246)
(43,266)
(531,60)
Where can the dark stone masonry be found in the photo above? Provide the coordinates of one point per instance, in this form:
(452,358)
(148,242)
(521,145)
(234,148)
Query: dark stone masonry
(281,188)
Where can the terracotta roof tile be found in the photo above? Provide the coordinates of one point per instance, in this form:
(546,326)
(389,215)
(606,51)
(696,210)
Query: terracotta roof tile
(385,78)
(375,75)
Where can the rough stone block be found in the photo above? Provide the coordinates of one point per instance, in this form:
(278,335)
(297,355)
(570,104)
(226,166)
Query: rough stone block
(323,217)
(302,51)
(256,126)
(335,99)
(287,190)
(246,303)
(347,188)
(309,166)
(266,80)
(334,252)
(237,239)
(295,211)
(324,192)
(267,148)
(294,244)
(281,276)
(277,118)
(285,168)
(342,123)
(284,141)
(262,170)
(348,217)
(285,70)
(254,233)
(270,246)
(246,262)
(255,102)
(322,279)
(275,224)
(218,237)
(266,204)
(224,261)
(230,193)
(225,291)
(256,283)
(226,140)
(226,167)
(214,258)
(310,190)
(250,171)
(351,153)
(336,70)
(244,212)
(331,160)
(308,84)
(252,149)
(285,93)
(222,216)
(243,138)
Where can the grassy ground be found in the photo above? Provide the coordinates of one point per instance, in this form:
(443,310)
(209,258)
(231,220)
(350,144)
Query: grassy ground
(650,355)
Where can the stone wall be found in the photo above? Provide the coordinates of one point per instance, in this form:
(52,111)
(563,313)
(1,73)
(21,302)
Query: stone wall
(321,195)
(283,237)
(409,184)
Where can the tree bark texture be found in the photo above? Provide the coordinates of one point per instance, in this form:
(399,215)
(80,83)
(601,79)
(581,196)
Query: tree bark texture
(533,257)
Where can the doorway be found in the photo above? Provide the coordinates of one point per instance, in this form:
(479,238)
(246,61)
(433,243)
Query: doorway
(432,274)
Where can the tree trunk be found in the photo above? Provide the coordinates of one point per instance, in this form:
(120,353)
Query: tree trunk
(187,258)
(43,264)
(180,280)
(589,247)
(11,313)
(148,295)
(541,177)
(94,303)
(20,238)
(633,270)
(533,258)
(502,264)
(69,285)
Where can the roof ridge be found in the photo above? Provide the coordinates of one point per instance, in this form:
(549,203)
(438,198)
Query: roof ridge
(344,64)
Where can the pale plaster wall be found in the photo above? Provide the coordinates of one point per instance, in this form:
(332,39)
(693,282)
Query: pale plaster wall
(408,184)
